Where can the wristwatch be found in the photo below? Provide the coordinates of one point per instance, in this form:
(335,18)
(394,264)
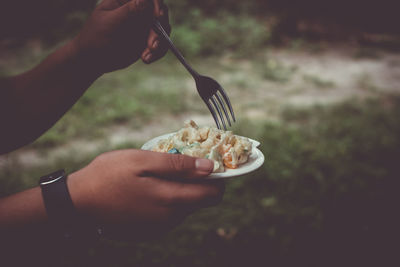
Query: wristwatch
(58,203)
(64,220)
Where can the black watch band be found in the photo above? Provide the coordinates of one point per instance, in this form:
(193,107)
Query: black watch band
(57,200)
(64,220)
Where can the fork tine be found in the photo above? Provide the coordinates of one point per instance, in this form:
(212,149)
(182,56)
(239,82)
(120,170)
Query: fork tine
(221,117)
(213,114)
(221,103)
(224,95)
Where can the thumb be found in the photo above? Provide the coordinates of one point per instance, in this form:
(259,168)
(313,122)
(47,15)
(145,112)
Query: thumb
(175,165)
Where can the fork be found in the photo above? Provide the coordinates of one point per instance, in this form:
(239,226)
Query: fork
(212,93)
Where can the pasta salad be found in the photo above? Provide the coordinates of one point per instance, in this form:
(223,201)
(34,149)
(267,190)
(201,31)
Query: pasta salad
(223,147)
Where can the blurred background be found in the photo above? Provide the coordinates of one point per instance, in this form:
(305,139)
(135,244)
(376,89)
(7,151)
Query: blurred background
(316,82)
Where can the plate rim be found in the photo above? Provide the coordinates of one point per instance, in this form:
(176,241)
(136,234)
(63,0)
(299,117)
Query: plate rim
(259,161)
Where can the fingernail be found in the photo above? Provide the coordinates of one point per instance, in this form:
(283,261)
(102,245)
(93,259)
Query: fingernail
(155,44)
(148,57)
(204,165)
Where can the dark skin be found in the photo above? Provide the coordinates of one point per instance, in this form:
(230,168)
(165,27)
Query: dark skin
(148,192)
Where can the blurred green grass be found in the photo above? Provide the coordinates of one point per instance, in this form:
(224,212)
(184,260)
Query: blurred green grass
(219,34)
(127,97)
(328,190)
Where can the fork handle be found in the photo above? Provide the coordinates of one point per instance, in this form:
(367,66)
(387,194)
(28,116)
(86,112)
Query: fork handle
(159,28)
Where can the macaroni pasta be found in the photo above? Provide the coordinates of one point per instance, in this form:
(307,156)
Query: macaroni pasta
(223,147)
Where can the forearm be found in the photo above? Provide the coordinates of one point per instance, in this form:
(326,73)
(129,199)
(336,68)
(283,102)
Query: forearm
(23,235)
(22,210)
(26,231)
(33,101)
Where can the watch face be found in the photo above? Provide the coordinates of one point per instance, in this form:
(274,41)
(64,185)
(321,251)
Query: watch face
(52,177)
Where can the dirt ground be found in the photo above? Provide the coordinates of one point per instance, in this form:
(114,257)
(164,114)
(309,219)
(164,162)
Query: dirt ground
(260,89)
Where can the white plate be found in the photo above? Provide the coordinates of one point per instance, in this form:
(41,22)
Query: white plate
(255,161)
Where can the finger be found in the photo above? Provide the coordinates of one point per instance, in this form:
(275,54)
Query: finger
(147,56)
(164,18)
(202,195)
(157,46)
(153,41)
(191,196)
(173,166)
(154,56)
(158,5)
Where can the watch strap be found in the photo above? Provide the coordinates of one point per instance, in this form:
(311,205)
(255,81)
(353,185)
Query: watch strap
(57,200)
(63,218)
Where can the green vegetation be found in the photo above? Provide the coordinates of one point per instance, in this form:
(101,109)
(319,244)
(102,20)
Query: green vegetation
(275,71)
(222,33)
(329,185)
(318,82)
(365,82)
(114,98)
